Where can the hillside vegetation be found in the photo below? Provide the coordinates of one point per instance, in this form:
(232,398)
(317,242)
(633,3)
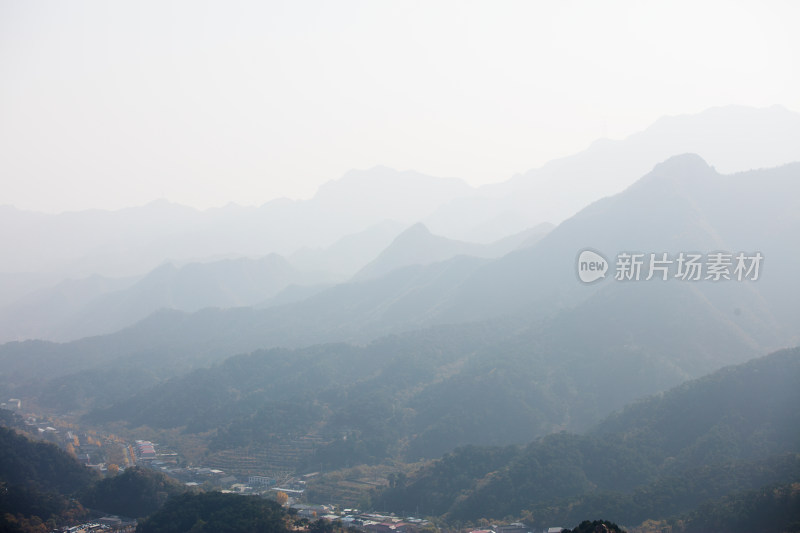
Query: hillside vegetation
(735,430)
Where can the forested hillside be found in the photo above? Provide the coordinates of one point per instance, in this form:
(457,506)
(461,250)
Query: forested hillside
(735,430)
(38,482)
(419,394)
(215,512)
(42,486)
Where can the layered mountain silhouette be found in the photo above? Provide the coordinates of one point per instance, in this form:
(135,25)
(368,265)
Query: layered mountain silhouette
(350,253)
(418,246)
(731,139)
(93,306)
(84,308)
(43,250)
(133,241)
(682,329)
(682,205)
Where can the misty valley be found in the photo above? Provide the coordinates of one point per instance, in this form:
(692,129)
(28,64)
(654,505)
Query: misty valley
(410,354)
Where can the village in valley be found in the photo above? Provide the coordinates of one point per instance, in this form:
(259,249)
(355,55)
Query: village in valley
(111,455)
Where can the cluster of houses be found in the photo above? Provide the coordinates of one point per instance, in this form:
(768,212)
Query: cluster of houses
(109,524)
(145,449)
(516,527)
(369,522)
(13,404)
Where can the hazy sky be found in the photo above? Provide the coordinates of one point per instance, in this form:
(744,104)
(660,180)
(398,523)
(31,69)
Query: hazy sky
(111,104)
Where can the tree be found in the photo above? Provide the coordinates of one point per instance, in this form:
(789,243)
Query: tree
(282,498)
(212,512)
(597,526)
(320,526)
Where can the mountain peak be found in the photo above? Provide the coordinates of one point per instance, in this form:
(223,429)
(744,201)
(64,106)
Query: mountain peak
(414,231)
(681,162)
(415,246)
(683,169)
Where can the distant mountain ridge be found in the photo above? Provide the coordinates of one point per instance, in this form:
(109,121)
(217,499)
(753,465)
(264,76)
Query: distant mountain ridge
(131,242)
(93,306)
(528,285)
(77,308)
(350,253)
(681,205)
(731,138)
(418,246)
(100,306)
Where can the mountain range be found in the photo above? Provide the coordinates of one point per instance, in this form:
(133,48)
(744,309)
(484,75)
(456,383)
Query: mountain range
(682,204)
(43,250)
(92,306)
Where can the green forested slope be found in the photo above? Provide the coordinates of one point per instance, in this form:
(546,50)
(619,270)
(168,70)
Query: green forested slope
(734,430)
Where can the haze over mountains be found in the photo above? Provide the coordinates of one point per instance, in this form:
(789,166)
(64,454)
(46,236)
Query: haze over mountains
(51,248)
(418,246)
(83,308)
(694,328)
(682,205)
(731,139)
(395,317)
